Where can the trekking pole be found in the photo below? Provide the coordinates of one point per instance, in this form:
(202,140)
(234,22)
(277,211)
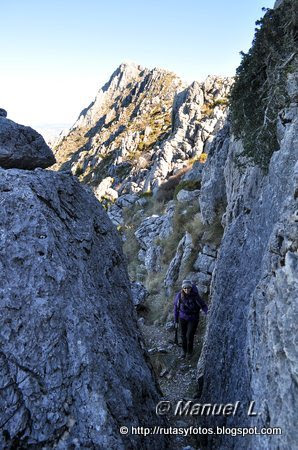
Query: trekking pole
(176,333)
(177,322)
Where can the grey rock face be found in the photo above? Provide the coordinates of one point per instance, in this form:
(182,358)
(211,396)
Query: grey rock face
(139,293)
(278,3)
(204,263)
(150,229)
(185,196)
(249,352)
(178,263)
(72,366)
(195,173)
(22,147)
(213,189)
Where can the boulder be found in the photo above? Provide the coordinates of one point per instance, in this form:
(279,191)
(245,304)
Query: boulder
(104,189)
(127,200)
(210,249)
(72,364)
(139,293)
(185,196)
(22,147)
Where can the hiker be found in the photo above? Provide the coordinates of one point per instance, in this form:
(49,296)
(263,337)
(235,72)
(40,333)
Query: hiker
(187,305)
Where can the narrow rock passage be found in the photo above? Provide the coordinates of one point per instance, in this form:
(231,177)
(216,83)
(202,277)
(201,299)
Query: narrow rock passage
(176,376)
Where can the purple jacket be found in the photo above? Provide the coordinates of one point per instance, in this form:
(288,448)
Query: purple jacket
(190,305)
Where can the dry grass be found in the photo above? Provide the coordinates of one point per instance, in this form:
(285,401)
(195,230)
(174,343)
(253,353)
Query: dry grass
(154,282)
(186,219)
(131,249)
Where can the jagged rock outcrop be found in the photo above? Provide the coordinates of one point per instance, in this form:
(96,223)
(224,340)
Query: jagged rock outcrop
(178,263)
(72,365)
(150,230)
(253,316)
(198,113)
(143,126)
(22,147)
(213,189)
(129,114)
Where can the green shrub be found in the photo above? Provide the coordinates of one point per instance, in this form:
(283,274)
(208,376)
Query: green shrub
(259,91)
(147,194)
(79,170)
(131,248)
(221,102)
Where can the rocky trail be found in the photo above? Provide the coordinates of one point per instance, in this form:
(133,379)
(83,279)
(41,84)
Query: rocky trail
(177,377)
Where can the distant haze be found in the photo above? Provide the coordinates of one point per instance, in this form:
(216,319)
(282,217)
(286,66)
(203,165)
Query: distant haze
(50,131)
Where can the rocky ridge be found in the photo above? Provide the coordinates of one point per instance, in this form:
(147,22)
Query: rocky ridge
(142,127)
(160,127)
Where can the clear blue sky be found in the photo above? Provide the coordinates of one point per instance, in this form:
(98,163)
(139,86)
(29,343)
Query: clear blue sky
(55,55)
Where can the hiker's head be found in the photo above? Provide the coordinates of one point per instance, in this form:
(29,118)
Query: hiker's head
(186,286)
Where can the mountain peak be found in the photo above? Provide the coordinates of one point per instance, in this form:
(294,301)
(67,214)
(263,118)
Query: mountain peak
(129,65)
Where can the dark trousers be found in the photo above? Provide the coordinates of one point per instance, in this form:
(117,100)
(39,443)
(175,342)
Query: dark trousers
(188,329)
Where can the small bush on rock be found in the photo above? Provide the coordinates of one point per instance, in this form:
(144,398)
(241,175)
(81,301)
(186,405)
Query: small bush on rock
(259,91)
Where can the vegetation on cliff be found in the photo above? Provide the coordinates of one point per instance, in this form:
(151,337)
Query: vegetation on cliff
(259,92)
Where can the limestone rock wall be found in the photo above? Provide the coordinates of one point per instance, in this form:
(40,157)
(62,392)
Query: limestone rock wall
(249,352)
(72,363)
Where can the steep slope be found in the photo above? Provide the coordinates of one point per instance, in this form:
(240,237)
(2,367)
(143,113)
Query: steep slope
(130,113)
(142,125)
